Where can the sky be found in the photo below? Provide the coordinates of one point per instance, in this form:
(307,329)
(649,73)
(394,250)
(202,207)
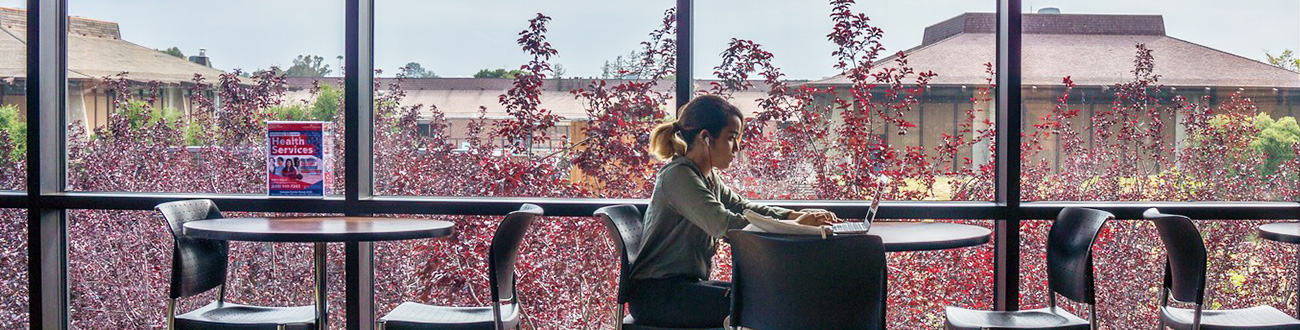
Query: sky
(456,38)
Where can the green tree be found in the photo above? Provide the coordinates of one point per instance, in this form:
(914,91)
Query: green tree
(1285,60)
(560,71)
(631,66)
(308,66)
(294,112)
(415,70)
(498,73)
(13,123)
(1275,139)
(621,68)
(327,103)
(174,51)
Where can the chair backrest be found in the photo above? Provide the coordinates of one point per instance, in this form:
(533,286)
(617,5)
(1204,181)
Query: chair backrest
(1185,256)
(505,250)
(623,222)
(1069,252)
(803,282)
(198,264)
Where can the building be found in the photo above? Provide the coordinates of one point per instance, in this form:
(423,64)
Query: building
(1095,51)
(459,100)
(95,51)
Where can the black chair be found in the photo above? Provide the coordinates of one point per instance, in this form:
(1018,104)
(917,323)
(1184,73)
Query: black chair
(504,312)
(804,282)
(198,265)
(1069,274)
(623,222)
(1185,280)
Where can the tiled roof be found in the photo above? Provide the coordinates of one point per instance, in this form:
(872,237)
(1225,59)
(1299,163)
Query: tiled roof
(1049,24)
(1101,58)
(95,50)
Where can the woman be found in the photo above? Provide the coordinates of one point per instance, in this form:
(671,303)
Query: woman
(290,170)
(689,211)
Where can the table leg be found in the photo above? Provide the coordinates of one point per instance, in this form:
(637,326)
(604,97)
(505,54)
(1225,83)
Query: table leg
(318,263)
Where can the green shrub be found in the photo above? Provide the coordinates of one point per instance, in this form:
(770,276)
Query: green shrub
(13,123)
(1276,139)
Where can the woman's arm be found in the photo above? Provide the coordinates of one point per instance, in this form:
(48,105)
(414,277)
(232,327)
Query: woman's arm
(737,203)
(687,194)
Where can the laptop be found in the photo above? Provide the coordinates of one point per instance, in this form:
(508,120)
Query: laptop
(859,227)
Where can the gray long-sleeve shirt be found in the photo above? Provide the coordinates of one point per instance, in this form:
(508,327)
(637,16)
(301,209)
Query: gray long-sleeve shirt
(687,215)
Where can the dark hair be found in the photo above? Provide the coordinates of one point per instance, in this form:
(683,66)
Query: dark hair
(705,112)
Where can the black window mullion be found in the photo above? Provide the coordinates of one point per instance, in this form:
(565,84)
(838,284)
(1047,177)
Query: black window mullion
(359,298)
(685,40)
(47,252)
(1006,270)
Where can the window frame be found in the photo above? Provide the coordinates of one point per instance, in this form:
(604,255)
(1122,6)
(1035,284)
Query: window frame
(47,201)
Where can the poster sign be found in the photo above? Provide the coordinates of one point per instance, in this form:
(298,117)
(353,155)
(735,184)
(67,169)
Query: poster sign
(299,160)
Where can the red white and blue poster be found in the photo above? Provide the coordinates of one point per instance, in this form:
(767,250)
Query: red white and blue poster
(298,159)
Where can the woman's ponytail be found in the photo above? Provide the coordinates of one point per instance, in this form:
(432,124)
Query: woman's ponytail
(703,113)
(664,142)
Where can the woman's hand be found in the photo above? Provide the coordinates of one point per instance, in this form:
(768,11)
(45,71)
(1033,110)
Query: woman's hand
(813,217)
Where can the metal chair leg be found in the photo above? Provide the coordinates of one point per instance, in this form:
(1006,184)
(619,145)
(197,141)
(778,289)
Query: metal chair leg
(1092,315)
(221,295)
(618,316)
(1196,318)
(171,314)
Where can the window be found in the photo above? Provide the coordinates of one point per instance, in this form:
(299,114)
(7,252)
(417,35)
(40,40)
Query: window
(174,97)
(13,98)
(567,270)
(468,107)
(1243,270)
(133,127)
(1148,103)
(13,284)
(119,268)
(917,129)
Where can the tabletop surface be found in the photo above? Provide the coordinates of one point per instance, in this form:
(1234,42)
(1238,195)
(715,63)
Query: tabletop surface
(1286,232)
(922,236)
(317,229)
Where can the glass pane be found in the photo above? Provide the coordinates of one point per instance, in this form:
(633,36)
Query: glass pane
(879,106)
(1244,271)
(1146,102)
(567,270)
(485,114)
(174,97)
(922,283)
(13,264)
(119,268)
(13,95)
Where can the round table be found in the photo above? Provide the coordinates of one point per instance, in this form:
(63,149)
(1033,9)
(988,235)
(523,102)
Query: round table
(318,230)
(925,236)
(1285,232)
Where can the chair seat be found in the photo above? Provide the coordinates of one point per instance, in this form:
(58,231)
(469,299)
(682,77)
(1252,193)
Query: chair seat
(629,323)
(1258,318)
(235,316)
(411,315)
(1042,318)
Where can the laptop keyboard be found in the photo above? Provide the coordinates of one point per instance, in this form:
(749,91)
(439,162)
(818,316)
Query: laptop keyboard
(850,227)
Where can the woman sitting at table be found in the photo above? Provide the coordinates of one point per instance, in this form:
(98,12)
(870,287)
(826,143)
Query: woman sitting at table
(690,210)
